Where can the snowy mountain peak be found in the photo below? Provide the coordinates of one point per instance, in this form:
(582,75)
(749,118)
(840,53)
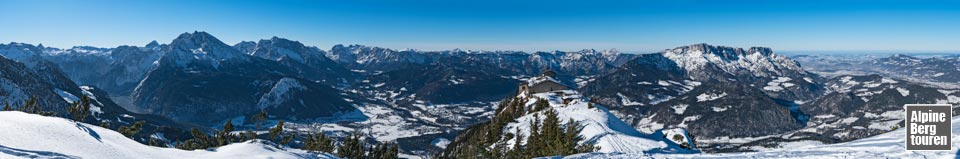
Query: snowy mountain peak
(19,51)
(736,61)
(246,46)
(197,39)
(88,50)
(191,48)
(279,48)
(152,44)
(722,51)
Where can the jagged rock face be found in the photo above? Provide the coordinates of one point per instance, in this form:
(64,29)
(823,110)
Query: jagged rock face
(308,62)
(18,83)
(55,91)
(32,58)
(116,70)
(757,61)
(201,50)
(246,46)
(199,79)
(756,65)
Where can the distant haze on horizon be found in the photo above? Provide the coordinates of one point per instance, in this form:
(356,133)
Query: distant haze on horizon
(530,26)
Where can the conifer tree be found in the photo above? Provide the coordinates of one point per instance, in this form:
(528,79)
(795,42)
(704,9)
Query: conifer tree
(249,135)
(132,129)
(384,151)
(224,137)
(352,147)
(393,152)
(377,151)
(6,107)
(154,142)
(276,131)
(259,118)
(541,104)
(550,133)
(228,127)
(30,106)
(287,139)
(571,136)
(319,142)
(517,150)
(534,142)
(79,110)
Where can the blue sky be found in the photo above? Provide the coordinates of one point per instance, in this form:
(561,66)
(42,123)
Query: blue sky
(630,26)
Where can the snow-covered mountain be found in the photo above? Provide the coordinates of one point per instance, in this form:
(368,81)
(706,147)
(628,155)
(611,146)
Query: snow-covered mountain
(599,126)
(361,57)
(577,63)
(19,83)
(727,99)
(708,90)
(50,137)
(307,62)
(759,61)
(117,70)
(44,70)
(202,80)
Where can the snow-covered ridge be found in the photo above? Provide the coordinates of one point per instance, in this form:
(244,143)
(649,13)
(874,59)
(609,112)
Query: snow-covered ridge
(34,136)
(600,127)
(756,60)
(887,145)
(202,48)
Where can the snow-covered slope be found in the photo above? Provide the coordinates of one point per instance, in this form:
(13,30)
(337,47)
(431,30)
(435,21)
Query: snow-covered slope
(600,127)
(888,145)
(34,136)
